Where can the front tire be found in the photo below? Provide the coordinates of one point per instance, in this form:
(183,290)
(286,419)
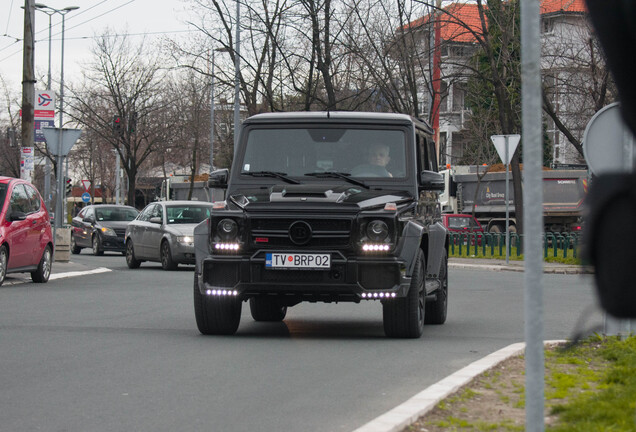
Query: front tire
(404,317)
(216,315)
(97,245)
(166,257)
(436,310)
(4,259)
(42,273)
(131,261)
(267,309)
(75,249)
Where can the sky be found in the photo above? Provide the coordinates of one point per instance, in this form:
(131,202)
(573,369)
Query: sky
(155,18)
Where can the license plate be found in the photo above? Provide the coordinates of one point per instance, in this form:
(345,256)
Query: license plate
(298,261)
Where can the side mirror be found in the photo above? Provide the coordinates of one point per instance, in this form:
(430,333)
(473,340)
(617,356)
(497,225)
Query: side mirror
(431,180)
(156,220)
(16,216)
(89,219)
(218,178)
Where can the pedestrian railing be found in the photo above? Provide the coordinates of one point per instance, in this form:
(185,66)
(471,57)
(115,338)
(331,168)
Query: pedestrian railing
(555,244)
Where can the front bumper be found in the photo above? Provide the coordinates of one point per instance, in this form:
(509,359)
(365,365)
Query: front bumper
(350,278)
(182,253)
(113,243)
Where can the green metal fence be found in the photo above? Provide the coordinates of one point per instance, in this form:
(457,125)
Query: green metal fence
(494,244)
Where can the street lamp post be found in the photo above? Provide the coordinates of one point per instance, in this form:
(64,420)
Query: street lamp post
(59,206)
(47,167)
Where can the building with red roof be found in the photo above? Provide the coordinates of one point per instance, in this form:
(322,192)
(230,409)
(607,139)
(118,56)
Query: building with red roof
(564,33)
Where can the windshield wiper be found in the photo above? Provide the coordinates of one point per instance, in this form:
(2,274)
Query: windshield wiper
(342,175)
(280,175)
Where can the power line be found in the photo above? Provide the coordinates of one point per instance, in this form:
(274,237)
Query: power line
(90,37)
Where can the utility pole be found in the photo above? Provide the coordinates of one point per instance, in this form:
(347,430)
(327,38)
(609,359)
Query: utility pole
(28,76)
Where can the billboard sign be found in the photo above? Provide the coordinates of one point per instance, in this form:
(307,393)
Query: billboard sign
(44,107)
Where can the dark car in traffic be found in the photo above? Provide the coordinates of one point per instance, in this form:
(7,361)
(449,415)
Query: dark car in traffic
(164,232)
(26,239)
(101,227)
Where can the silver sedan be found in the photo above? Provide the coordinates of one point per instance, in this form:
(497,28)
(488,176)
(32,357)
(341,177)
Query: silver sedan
(164,232)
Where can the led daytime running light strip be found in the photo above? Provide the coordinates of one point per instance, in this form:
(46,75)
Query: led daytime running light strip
(380,295)
(222,292)
(376,247)
(226,246)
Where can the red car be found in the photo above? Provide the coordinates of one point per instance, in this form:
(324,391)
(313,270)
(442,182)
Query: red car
(26,239)
(464,223)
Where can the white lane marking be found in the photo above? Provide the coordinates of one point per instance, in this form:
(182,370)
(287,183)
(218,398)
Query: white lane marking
(78,273)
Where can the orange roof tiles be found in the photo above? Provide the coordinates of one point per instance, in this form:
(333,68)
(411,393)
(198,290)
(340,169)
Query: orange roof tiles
(461,19)
(550,6)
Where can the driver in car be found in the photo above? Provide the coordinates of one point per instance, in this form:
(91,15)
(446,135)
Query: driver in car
(377,160)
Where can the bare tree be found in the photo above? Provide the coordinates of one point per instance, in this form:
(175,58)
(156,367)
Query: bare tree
(576,81)
(10,140)
(127,82)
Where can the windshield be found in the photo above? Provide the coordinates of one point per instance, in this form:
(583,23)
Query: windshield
(299,152)
(114,214)
(187,214)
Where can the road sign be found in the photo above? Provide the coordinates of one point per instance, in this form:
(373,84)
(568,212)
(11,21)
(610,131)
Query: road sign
(86,197)
(44,107)
(608,146)
(500,144)
(87,185)
(69,137)
(39,124)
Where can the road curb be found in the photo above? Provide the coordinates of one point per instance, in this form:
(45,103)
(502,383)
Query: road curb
(408,412)
(519,268)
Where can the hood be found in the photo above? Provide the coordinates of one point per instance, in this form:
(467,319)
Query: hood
(114,224)
(181,229)
(340,196)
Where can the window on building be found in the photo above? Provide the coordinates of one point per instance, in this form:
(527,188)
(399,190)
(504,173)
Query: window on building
(547,26)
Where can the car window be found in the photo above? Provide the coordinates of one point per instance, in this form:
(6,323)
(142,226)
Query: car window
(187,214)
(3,194)
(20,199)
(158,212)
(90,212)
(82,213)
(34,199)
(146,213)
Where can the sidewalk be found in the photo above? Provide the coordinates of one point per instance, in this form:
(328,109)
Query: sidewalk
(515,266)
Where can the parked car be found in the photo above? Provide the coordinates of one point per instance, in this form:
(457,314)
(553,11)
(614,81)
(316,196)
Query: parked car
(102,228)
(464,223)
(26,239)
(164,232)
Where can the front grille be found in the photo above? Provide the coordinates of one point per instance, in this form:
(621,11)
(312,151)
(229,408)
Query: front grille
(121,232)
(273,232)
(224,275)
(376,276)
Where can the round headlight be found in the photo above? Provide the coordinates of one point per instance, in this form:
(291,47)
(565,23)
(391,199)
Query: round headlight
(227,229)
(377,230)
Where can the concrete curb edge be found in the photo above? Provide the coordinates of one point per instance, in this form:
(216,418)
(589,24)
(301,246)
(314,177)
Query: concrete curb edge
(408,412)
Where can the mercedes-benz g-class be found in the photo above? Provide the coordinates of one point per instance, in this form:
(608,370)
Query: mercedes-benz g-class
(325,207)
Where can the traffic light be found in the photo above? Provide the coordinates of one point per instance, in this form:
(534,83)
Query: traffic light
(69,186)
(118,125)
(132,122)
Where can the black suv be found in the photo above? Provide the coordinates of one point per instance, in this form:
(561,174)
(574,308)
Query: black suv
(329,207)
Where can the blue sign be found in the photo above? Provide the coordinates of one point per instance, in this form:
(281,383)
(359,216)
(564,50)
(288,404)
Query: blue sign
(86,197)
(39,124)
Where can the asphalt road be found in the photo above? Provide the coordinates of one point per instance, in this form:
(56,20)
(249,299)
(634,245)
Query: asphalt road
(119,351)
